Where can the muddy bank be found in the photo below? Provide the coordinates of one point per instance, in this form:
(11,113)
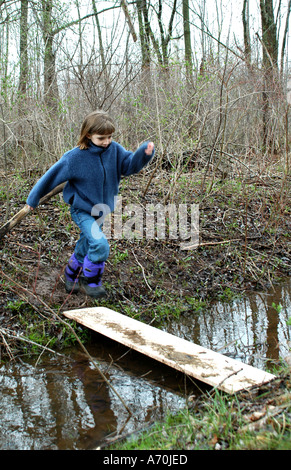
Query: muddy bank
(244,236)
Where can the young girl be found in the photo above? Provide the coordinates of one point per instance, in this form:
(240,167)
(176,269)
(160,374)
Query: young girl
(93,171)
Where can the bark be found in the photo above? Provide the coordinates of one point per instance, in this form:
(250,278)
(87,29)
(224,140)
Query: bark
(187,42)
(246,32)
(101,48)
(50,82)
(269,35)
(124,7)
(270,70)
(144,36)
(166,37)
(23,75)
(285,35)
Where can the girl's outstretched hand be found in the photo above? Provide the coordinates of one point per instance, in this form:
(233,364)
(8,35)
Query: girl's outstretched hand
(150,148)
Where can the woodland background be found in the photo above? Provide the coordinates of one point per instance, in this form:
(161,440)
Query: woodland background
(209,82)
(202,79)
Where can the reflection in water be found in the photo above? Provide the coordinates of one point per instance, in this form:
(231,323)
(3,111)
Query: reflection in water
(64,404)
(251,330)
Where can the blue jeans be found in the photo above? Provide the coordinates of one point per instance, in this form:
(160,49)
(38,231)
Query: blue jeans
(92,241)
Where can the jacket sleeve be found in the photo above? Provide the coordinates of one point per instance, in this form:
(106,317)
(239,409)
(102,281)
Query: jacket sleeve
(134,162)
(56,175)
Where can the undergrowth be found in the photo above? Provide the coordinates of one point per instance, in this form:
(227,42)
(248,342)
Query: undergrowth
(259,421)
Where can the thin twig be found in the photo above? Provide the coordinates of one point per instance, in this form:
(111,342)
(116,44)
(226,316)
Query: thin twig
(142,268)
(197,245)
(12,335)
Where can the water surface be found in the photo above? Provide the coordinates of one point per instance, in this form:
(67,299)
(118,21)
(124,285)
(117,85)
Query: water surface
(61,402)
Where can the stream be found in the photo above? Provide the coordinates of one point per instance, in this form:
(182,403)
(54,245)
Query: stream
(60,402)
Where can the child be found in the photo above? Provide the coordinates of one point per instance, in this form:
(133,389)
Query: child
(93,171)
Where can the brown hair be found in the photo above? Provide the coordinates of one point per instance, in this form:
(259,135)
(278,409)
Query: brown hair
(97,122)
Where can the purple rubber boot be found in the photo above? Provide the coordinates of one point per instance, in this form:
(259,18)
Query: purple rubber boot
(90,279)
(72,273)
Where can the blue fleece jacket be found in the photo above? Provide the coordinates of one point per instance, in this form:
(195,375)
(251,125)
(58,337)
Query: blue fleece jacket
(93,175)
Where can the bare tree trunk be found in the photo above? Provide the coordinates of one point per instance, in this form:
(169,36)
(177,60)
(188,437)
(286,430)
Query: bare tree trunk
(50,84)
(203,35)
(165,38)
(23,74)
(187,42)
(285,37)
(101,48)
(269,35)
(147,35)
(270,68)
(4,48)
(246,32)
(144,33)
(23,77)
(124,6)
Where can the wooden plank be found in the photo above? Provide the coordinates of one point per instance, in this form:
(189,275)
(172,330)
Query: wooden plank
(215,369)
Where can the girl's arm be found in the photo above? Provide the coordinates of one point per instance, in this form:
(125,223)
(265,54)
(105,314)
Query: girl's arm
(56,175)
(134,162)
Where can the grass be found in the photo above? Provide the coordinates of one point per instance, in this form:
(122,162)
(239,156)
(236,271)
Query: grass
(36,330)
(218,422)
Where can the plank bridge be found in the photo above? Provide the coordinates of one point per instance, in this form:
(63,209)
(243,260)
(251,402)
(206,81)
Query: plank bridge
(212,368)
